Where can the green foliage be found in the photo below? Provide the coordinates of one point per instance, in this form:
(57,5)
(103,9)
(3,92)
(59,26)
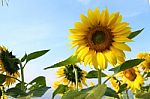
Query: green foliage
(90,93)
(126,65)
(35,55)
(111,93)
(24,58)
(37,82)
(38,86)
(94,74)
(148,74)
(15,92)
(60,90)
(135,33)
(2,79)
(39,91)
(143,95)
(122,88)
(68,61)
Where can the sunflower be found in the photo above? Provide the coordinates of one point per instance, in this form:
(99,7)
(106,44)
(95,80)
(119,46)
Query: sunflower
(8,66)
(100,38)
(132,78)
(115,83)
(145,64)
(66,76)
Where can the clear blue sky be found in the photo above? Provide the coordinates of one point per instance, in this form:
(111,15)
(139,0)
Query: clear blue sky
(30,25)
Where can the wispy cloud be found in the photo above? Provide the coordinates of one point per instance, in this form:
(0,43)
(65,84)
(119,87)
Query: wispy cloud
(86,2)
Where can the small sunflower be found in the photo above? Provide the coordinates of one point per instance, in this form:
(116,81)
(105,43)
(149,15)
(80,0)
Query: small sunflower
(66,75)
(145,64)
(8,66)
(100,38)
(115,83)
(132,78)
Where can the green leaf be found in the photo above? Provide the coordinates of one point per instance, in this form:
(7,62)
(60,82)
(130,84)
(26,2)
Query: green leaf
(39,92)
(148,74)
(15,92)
(2,79)
(126,65)
(111,93)
(97,92)
(37,83)
(134,34)
(24,58)
(94,74)
(70,60)
(122,88)
(60,90)
(36,54)
(90,93)
(38,86)
(142,95)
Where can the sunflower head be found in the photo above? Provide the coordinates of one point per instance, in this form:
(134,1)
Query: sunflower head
(8,66)
(100,38)
(66,75)
(132,78)
(145,64)
(6,60)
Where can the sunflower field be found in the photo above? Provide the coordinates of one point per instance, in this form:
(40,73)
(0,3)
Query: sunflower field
(98,67)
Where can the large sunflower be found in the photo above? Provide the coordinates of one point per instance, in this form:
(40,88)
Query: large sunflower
(8,66)
(100,38)
(132,78)
(145,64)
(66,75)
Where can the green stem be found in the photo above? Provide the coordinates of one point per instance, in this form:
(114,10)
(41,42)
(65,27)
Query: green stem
(99,76)
(76,77)
(127,94)
(22,77)
(108,78)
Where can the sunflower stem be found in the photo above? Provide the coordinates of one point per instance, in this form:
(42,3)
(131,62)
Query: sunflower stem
(22,76)
(99,76)
(76,77)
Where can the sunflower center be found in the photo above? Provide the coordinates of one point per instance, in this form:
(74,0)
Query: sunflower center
(70,74)
(130,74)
(98,37)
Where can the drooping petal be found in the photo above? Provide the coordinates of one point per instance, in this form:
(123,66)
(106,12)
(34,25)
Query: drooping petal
(121,46)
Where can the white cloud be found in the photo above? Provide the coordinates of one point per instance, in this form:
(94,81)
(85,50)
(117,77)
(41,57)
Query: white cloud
(86,2)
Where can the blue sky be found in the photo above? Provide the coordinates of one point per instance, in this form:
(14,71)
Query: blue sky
(31,25)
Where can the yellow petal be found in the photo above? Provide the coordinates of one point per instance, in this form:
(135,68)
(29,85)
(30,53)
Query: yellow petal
(113,19)
(102,18)
(121,46)
(101,60)
(85,20)
(106,20)
(110,57)
(117,52)
(83,53)
(88,57)
(122,39)
(120,27)
(97,15)
(79,48)
(76,37)
(91,17)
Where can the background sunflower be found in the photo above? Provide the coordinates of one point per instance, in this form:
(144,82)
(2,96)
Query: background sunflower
(8,66)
